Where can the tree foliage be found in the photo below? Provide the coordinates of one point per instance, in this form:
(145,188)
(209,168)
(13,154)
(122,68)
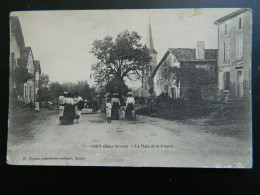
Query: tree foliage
(123,58)
(113,86)
(81,87)
(55,89)
(44,80)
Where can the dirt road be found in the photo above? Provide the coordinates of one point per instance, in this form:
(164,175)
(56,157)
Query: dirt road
(145,142)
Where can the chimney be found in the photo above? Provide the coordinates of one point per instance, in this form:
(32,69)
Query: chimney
(200,53)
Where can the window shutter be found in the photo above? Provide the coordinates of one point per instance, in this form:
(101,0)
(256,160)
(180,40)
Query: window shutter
(241,46)
(228,55)
(237,47)
(224,53)
(228,80)
(225,80)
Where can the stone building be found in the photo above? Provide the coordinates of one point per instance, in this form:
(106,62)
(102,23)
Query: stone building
(24,70)
(234,54)
(185,70)
(16,45)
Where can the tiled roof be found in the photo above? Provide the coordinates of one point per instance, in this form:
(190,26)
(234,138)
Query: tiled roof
(187,54)
(183,54)
(25,52)
(17,30)
(211,54)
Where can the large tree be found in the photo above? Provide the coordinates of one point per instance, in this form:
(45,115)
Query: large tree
(123,58)
(113,86)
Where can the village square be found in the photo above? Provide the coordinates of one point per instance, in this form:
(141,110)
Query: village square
(189,107)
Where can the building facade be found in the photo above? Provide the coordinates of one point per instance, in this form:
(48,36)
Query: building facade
(16,45)
(183,70)
(24,70)
(234,54)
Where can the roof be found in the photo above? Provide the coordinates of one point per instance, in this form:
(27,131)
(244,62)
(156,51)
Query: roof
(37,66)
(183,54)
(15,28)
(232,15)
(188,55)
(25,52)
(211,54)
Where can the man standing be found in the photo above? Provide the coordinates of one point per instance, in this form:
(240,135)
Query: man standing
(79,104)
(62,101)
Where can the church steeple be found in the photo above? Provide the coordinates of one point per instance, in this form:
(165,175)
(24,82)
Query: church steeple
(148,80)
(149,38)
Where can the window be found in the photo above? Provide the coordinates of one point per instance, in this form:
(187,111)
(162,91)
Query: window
(225,29)
(226,80)
(226,50)
(240,23)
(239,47)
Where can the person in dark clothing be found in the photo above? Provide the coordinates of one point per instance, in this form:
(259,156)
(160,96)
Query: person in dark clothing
(115,106)
(95,105)
(69,110)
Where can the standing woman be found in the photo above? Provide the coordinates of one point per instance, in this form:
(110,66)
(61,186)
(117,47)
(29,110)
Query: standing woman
(115,106)
(78,105)
(95,105)
(69,110)
(130,110)
(62,101)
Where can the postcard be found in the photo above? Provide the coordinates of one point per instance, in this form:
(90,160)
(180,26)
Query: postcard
(131,88)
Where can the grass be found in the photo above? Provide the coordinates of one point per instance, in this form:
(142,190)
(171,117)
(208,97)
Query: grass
(232,120)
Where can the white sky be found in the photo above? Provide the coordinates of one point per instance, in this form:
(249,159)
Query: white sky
(62,40)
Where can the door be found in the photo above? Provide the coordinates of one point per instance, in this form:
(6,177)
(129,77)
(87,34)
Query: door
(173,93)
(239,83)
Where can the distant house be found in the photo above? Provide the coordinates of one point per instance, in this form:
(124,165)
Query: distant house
(234,53)
(24,70)
(183,70)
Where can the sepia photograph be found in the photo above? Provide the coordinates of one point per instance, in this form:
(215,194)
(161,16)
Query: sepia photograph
(131,88)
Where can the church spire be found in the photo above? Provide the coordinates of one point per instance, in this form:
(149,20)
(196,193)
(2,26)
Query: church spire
(149,39)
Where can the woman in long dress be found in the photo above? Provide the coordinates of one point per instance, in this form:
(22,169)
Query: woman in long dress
(69,110)
(115,106)
(78,106)
(95,105)
(130,110)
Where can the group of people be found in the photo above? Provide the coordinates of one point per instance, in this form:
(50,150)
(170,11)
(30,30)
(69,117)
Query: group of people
(70,107)
(116,111)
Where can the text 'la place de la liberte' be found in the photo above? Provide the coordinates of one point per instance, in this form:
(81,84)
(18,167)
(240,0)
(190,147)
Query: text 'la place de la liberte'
(105,146)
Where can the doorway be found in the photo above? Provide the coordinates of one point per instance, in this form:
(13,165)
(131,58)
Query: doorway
(173,93)
(239,86)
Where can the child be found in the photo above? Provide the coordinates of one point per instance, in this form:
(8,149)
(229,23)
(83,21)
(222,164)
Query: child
(108,110)
(122,112)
